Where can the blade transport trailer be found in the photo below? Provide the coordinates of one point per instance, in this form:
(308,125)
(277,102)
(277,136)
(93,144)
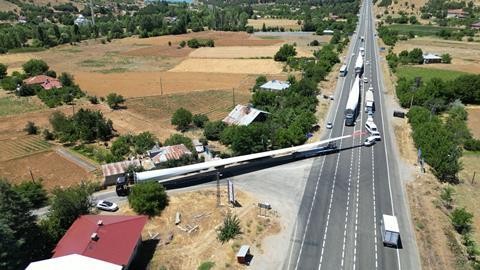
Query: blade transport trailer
(351,110)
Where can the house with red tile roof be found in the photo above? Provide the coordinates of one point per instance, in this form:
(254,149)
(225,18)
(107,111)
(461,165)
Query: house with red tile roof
(475,26)
(110,238)
(45,81)
(170,152)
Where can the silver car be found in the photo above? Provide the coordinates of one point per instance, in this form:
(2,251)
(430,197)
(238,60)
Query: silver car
(107,206)
(329,125)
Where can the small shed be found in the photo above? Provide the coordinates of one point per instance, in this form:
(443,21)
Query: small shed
(431,58)
(275,85)
(112,171)
(244,115)
(198,146)
(243,254)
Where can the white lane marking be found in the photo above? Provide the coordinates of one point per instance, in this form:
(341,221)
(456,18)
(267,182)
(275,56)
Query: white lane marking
(293,245)
(374,212)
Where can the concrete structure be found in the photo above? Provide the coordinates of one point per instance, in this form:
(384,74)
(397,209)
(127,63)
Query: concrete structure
(431,58)
(110,238)
(73,262)
(275,85)
(198,146)
(81,20)
(457,13)
(170,152)
(244,115)
(243,254)
(328,32)
(475,26)
(112,171)
(44,81)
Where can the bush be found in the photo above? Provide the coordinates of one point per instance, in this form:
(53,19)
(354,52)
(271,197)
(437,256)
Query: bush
(446,58)
(472,144)
(148,198)
(47,135)
(285,52)
(51,73)
(314,43)
(213,130)
(182,119)
(33,192)
(9,83)
(28,90)
(199,120)
(182,43)
(35,67)
(230,228)
(114,100)
(175,139)
(262,79)
(206,265)
(461,220)
(31,128)
(446,196)
(3,71)
(93,99)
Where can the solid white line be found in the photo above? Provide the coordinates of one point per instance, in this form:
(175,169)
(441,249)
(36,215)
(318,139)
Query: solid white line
(293,245)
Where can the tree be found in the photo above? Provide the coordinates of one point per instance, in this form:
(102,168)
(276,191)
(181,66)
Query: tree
(114,100)
(22,241)
(314,43)
(31,128)
(33,192)
(144,142)
(413,19)
(446,58)
(3,71)
(182,119)
(148,198)
(121,146)
(446,196)
(199,120)
(461,220)
(67,205)
(285,52)
(175,139)
(193,43)
(230,228)
(35,67)
(212,130)
(264,28)
(66,79)
(262,79)
(416,56)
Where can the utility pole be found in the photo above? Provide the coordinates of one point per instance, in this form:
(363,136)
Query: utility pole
(92,13)
(31,174)
(218,189)
(161,86)
(473,178)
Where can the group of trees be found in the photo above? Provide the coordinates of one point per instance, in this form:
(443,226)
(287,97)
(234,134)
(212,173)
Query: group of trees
(403,19)
(132,144)
(285,52)
(183,118)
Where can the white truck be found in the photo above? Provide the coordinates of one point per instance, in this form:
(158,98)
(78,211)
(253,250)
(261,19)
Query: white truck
(359,64)
(369,102)
(362,51)
(390,231)
(352,103)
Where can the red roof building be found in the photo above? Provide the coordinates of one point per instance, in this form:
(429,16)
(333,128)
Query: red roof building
(109,238)
(475,26)
(45,81)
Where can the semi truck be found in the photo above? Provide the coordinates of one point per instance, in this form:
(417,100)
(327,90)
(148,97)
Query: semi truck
(352,103)
(359,64)
(369,102)
(390,231)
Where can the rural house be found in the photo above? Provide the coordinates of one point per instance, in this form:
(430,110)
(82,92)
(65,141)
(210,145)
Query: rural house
(44,81)
(109,238)
(81,20)
(475,26)
(275,85)
(112,171)
(73,262)
(244,115)
(431,58)
(457,13)
(171,152)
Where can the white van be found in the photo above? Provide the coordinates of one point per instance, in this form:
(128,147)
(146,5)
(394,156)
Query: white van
(371,127)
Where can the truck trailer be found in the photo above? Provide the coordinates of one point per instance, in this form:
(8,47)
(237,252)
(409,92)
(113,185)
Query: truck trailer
(369,102)
(352,103)
(359,64)
(390,231)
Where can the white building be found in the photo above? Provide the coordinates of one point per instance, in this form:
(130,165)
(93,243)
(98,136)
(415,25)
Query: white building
(275,85)
(431,58)
(81,20)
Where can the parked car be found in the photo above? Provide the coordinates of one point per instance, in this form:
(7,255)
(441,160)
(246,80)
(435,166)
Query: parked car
(107,206)
(329,125)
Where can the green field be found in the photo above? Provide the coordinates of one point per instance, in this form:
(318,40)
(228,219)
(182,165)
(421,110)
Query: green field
(21,147)
(418,29)
(16,105)
(427,73)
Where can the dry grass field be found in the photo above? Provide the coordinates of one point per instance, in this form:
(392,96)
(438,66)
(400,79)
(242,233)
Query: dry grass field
(287,24)
(473,121)
(7,6)
(22,146)
(411,7)
(465,55)
(198,208)
(235,52)
(235,66)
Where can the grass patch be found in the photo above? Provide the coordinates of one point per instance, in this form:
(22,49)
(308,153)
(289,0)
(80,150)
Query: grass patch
(410,72)
(92,63)
(26,49)
(418,29)
(206,265)
(15,105)
(113,70)
(71,50)
(269,37)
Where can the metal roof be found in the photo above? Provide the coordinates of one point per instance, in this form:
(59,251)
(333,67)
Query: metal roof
(118,167)
(390,223)
(242,115)
(73,262)
(275,85)
(115,241)
(170,152)
(431,56)
(243,251)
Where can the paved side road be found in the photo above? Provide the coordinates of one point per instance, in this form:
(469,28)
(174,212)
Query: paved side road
(89,167)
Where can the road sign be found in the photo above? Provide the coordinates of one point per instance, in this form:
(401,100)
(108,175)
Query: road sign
(231,192)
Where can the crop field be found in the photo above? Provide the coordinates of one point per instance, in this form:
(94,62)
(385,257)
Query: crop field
(11,105)
(21,147)
(287,24)
(426,73)
(235,52)
(465,55)
(235,66)
(467,193)
(418,29)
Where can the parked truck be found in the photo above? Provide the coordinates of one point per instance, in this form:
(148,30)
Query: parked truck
(359,64)
(369,102)
(390,231)
(351,110)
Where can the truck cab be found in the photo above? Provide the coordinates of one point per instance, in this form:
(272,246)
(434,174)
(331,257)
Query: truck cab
(390,231)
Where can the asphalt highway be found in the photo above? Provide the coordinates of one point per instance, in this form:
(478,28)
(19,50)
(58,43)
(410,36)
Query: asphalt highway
(338,224)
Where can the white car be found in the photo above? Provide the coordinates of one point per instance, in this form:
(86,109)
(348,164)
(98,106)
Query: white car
(370,88)
(107,206)
(376,136)
(369,141)
(329,125)
(365,80)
